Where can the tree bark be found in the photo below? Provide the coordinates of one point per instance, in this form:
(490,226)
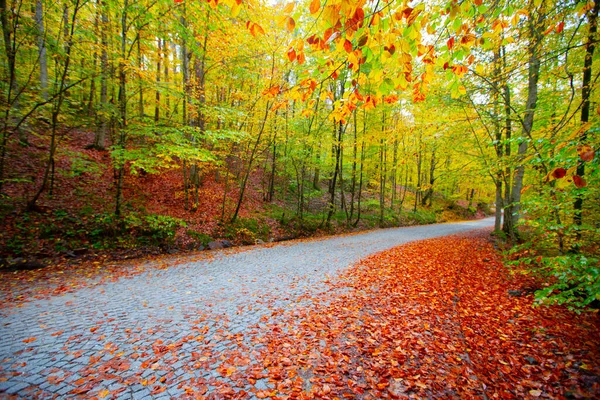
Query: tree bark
(536,37)
(41,41)
(586,90)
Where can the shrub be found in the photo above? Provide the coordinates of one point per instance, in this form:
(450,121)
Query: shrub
(577,280)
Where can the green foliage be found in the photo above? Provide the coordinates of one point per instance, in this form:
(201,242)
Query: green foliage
(247,230)
(419,217)
(577,280)
(201,238)
(153,228)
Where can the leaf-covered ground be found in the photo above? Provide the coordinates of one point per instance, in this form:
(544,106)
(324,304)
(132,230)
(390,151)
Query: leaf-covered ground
(432,319)
(439,318)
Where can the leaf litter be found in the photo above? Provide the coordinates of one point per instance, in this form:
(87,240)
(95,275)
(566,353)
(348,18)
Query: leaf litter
(429,319)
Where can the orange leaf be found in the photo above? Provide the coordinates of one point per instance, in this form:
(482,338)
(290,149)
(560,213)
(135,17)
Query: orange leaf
(347,46)
(300,58)
(94,329)
(29,340)
(103,393)
(450,43)
(291,54)
(579,181)
(290,24)
(560,27)
(586,152)
(315,6)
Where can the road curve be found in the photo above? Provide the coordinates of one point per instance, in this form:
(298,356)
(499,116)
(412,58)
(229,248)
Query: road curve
(163,333)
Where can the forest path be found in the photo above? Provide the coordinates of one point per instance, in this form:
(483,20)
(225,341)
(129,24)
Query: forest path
(177,331)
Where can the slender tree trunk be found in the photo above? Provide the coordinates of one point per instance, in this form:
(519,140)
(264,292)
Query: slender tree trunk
(41,41)
(586,90)
(382,170)
(158,73)
(506,203)
(360,182)
(250,162)
(535,29)
(354,160)
(336,170)
(103,121)
(56,110)
(140,80)
(119,163)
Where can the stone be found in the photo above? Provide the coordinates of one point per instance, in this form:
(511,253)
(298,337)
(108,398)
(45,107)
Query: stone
(215,244)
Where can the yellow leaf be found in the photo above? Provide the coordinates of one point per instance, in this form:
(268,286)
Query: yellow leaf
(103,393)
(235,10)
(289,8)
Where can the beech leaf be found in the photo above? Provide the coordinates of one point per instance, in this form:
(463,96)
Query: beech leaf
(559,173)
(579,181)
(315,6)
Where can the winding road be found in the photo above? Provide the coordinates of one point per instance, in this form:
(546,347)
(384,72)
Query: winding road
(165,332)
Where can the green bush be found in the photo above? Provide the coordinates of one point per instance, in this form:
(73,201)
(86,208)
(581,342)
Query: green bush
(247,230)
(419,217)
(160,228)
(577,280)
(200,238)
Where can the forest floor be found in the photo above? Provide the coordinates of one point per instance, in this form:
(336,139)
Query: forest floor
(392,313)
(74,218)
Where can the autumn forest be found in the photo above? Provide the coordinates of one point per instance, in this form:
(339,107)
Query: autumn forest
(168,124)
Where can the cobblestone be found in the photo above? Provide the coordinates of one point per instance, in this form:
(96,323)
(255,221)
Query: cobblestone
(182,317)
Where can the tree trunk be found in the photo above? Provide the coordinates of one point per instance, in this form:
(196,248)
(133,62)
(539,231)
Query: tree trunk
(158,73)
(103,121)
(506,203)
(586,90)
(41,41)
(56,109)
(122,97)
(535,29)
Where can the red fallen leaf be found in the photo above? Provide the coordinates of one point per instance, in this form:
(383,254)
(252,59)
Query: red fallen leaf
(158,389)
(29,340)
(559,173)
(586,152)
(579,181)
(82,389)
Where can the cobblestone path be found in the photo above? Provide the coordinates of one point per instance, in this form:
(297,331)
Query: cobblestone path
(172,333)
